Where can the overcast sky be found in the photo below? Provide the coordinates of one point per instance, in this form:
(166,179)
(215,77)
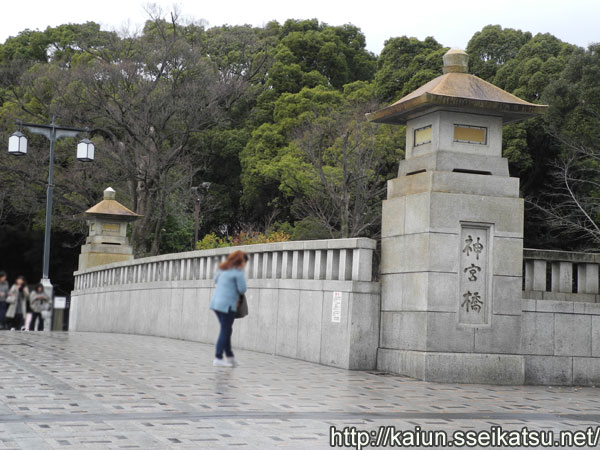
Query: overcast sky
(451,23)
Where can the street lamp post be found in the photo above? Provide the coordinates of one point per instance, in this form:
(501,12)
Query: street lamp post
(17,145)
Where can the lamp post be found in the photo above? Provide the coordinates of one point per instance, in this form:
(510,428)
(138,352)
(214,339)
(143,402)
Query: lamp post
(17,145)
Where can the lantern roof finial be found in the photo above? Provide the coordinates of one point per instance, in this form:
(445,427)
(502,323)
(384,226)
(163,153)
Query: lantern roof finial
(456,61)
(109,194)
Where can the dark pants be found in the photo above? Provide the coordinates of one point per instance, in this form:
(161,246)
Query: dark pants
(224,340)
(15,322)
(3,308)
(34,316)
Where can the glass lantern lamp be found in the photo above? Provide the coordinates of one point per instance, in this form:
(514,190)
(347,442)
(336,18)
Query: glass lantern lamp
(85,150)
(17,144)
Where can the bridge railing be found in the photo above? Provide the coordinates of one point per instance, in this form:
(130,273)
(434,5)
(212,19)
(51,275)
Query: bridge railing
(332,259)
(558,275)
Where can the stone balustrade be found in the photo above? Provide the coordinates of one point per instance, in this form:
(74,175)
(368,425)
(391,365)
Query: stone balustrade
(558,275)
(311,300)
(333,259)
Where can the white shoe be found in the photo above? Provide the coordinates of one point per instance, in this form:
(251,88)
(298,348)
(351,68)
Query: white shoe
(222,363)
(232,361)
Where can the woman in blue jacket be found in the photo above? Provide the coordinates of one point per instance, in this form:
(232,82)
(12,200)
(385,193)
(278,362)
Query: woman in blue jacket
(230,285)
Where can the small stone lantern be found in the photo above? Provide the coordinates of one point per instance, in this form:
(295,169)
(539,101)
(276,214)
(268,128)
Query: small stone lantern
(107,240)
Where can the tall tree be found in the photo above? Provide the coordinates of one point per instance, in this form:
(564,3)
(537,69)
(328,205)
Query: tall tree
(338,171)
(147,96)
(571,208)
(312,62)
(324,161)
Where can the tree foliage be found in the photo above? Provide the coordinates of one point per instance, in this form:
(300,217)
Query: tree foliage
(492,47)
(148,98)
(337,168)
(571,208)
(405,64)
(310,53)
(273,118)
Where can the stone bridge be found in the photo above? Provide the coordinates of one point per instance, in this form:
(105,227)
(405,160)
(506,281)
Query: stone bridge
(317,301)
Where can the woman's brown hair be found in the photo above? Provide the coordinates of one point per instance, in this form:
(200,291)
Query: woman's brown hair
(234,260)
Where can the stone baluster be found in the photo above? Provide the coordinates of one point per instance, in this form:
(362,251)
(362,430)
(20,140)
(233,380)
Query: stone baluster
(297,263)
(170,271)
(202,268)
(267,264)
(362,264)
(320,264)
(345,267)
(333,265)
(562,276)
(257,265)
(535,275)
(277,265)
(308,267)
(286,265)
(587,278)
(183,269)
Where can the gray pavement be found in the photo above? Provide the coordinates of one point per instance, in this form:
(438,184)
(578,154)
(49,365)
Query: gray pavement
(109,391)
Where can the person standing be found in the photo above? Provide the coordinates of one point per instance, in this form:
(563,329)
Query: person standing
(231,284)
(38,302)
(28,314)
(17,303)
(4,288)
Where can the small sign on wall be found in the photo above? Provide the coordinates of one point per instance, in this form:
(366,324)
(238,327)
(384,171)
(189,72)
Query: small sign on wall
(60,302)
(336,307)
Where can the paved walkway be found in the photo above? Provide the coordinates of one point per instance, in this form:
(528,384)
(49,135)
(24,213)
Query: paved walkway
(87,390)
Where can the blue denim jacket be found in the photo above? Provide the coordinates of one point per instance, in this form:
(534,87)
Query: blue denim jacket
(230,284)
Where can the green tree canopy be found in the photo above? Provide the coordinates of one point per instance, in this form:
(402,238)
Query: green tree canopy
(405,64)
(310,53)
(492,47)
(305,160)
(571,208)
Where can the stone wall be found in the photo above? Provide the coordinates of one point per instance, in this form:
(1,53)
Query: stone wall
(292,290)
(561,342)
(561,318)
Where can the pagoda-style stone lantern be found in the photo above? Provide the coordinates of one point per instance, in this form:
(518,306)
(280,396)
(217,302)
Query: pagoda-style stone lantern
(107,240)
(452,237)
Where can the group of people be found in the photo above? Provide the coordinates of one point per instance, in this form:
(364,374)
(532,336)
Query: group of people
(21,309)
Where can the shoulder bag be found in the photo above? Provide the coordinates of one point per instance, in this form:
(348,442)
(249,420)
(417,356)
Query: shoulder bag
(242,307)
